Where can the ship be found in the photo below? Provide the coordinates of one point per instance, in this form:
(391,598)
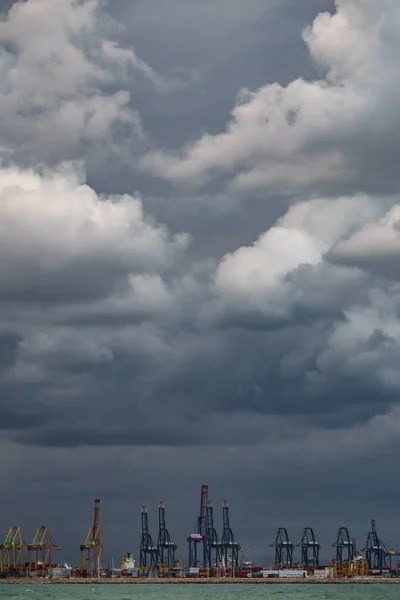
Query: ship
(128,568)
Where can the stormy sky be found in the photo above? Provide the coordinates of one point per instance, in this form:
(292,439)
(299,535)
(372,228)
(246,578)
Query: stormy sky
(200,267)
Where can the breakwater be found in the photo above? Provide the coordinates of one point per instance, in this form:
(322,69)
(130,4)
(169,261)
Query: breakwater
(209,581)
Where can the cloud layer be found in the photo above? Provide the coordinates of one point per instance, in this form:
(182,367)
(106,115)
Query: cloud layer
(311,135)
(129,343)
(66,83)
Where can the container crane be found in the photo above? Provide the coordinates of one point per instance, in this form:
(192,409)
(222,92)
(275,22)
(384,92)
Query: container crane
(200,533)
(91,551)
(378,554)
(344,546)
(309,549)
(12,552)
(283,549)
(213,544)
(229,545)
(42,547)
(148,549)
(165,546)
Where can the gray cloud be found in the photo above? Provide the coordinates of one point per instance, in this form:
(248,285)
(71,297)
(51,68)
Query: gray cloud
(151,338)
(374,248)
(314,134)
(58,96)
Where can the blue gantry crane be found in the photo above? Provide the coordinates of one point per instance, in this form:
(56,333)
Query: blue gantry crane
(166,547)
(214,555)
(344,546)
(377,554)
(229,545)
(309,549)
(283,549)
(148,549)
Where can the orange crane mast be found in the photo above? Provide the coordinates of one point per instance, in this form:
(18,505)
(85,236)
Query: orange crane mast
(91,551)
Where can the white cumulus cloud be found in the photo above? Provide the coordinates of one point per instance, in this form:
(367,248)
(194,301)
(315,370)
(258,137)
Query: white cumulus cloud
(255,278)
(376,247)
(57,233)
(65,84)
(312,134)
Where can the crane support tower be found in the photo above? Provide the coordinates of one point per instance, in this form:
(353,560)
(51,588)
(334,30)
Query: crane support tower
(148,549)
(91,551)
(165,546)
(214,556)
(12,552)
(378,554)
(309,549)
(283,549)
(229,545)
(200,533)
(42,547)
(344,546)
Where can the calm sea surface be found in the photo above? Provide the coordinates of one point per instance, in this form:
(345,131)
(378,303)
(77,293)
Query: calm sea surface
(200,592)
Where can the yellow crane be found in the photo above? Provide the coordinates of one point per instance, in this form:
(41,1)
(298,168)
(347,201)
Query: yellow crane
(91,551)
(42,546)
(12,551)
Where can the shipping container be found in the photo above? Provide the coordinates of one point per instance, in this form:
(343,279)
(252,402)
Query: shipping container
(292,574)
(269,573)
(321,573)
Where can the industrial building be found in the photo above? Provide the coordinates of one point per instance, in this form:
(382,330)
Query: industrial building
(210,552)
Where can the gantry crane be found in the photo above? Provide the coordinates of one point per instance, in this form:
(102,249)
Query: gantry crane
(344,546)
(42,546)
(12,552)
(148,549)
(283,549)
(378,554)
(229,545)
(91,551)
(200,534)
(214,548)
(309,549)
(165,546)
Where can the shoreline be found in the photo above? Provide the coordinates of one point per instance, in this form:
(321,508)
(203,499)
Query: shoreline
(205,581)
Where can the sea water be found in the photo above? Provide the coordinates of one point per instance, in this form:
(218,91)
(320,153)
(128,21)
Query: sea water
(200,592)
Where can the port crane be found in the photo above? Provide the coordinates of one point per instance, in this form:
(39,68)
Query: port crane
(344,546)
(165,546)
(378,554)
(229,545)
(12,552)
(200,533)
(42,547)
(283,549)
(91,551)
(308,544)
(214,549)
(148,549)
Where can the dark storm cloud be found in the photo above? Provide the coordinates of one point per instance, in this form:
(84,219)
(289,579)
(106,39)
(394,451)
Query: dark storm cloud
(150,343)
(15,419)
(66,438)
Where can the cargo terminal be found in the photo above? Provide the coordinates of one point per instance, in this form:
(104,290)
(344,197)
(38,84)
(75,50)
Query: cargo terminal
(210,553)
